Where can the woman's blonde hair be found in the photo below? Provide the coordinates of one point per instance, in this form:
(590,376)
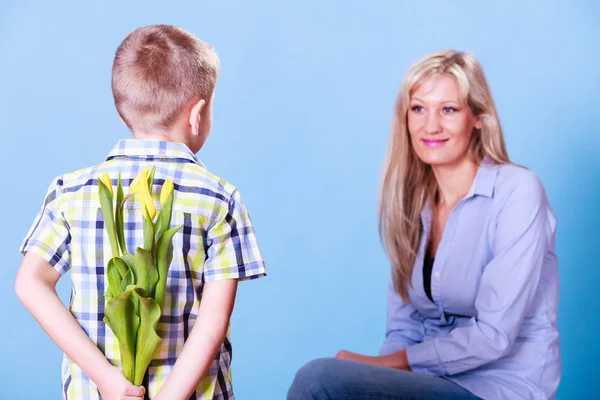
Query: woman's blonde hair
(408,182)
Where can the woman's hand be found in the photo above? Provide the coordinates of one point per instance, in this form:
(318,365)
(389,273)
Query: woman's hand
(348,355)
(396,360)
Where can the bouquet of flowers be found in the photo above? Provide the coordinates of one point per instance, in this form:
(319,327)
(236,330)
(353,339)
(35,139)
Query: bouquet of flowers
(136,282)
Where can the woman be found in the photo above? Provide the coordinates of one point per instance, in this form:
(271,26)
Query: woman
(473,301)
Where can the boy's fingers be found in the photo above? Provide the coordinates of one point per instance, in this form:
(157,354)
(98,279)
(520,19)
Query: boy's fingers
(135,391)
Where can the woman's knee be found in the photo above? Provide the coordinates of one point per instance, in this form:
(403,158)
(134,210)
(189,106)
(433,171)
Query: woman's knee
(311,379)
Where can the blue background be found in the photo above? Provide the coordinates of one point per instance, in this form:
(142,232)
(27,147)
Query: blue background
(302,115)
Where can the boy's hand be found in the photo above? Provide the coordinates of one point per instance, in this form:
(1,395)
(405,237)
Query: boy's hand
(114,386)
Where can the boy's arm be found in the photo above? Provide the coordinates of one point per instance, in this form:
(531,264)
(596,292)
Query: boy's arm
(204,340)
(35,287)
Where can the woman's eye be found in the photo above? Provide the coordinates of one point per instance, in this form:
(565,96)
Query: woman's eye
(417,108)
(449,110)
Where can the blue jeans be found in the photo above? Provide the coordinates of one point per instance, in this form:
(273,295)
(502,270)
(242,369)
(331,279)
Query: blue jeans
(330,378)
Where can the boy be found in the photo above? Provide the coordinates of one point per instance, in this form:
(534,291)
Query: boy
(163,84)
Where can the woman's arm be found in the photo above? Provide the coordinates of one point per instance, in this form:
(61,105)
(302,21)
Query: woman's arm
(404,324)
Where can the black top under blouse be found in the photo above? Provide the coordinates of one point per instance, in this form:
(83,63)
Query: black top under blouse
(427,268)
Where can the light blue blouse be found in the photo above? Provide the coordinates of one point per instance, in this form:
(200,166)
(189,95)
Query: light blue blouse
(493,326)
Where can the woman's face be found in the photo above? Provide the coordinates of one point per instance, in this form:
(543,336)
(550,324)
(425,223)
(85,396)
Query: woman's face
(440,125)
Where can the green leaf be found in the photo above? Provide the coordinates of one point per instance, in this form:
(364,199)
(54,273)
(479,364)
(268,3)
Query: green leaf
(167,210)
(157,231)
(127,278)
(119,217)
(115,271)
(147,338)
(106,204)
(148,233)
(122,266)
(144,270)
(120,316)
(151,178)
(164,256)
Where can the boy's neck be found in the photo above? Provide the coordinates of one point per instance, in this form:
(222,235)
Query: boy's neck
(173,136)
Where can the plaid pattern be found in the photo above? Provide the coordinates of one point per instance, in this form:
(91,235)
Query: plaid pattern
(216,242)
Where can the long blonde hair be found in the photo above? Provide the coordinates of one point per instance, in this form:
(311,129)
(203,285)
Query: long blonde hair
(407,182)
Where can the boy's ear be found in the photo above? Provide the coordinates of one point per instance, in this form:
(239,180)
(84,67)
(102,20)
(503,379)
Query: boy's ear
(195,116)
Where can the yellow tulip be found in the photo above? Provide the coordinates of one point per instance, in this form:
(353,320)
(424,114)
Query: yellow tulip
(165,192)
(140,181)
(108,183)
(149,206)
(139,186)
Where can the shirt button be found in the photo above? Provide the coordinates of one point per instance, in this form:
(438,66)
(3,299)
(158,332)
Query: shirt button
(436,274)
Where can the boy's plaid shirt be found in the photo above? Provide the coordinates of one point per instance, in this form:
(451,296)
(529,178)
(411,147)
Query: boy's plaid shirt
(217,241)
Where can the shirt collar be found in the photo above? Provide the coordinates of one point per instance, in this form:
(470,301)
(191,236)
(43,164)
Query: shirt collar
(153,150)
(485,180)
(483,185)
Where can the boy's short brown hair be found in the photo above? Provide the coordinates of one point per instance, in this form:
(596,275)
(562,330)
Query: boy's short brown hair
(157,71)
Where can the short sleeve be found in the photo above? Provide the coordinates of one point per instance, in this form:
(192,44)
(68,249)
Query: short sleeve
(49,236)
(232,250)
